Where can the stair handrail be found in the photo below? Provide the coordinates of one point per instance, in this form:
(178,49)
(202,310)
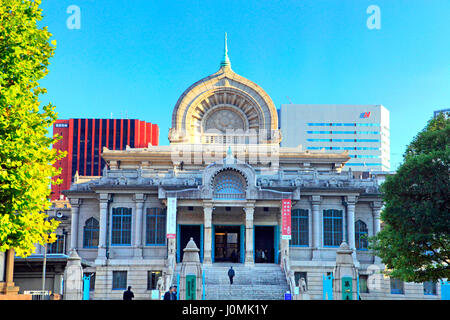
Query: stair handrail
(171,266)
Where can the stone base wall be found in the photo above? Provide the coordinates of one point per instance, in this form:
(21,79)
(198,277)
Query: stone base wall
(137,277)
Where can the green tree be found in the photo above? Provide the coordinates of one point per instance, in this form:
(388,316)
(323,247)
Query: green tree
(26,156)
(415,241)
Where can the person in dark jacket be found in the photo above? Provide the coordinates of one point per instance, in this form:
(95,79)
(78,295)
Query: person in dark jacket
(174,293)
(128,295)
(231,274)
(171,294)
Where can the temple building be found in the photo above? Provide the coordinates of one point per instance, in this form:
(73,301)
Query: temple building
(226,179)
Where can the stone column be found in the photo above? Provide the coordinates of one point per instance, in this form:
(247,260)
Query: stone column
(376,212)
(101,257)
(315,202)
(351,201)
(249,235)
(139,200)
(207,249)
(75,204)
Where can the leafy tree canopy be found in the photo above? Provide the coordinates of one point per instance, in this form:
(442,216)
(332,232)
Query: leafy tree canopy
(26,156)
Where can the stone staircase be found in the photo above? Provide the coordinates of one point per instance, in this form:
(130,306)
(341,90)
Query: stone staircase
(260,282)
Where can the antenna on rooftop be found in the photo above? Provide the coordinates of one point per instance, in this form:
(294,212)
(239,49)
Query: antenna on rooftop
(289,99)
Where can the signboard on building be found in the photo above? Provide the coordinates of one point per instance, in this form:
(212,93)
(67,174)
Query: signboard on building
(171,217)
(286,219)
(347,288)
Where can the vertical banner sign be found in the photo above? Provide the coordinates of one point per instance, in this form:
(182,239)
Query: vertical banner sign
(171,217)
(286,219)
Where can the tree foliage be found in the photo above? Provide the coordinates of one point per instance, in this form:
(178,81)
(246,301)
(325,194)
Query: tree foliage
(415,241)
(26,156)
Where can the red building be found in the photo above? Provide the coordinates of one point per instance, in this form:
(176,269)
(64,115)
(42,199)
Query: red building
(84,139)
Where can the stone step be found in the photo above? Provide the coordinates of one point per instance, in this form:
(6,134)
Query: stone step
(257,282)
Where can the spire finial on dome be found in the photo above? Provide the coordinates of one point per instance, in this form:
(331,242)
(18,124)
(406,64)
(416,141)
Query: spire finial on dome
(225,61)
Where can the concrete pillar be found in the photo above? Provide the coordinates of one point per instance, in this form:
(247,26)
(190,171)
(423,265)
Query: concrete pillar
(101,256)
(139,200)
(75,204)
(7,287)
(376,212)
(351,225)
(73,278)
(207,225)
(345,274)
(9,270)
(249,235)
(351,202)
(315,203)
(191,273)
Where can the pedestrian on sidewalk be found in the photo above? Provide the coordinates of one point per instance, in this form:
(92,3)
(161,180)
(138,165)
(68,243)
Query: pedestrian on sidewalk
(231,274)
(128,295)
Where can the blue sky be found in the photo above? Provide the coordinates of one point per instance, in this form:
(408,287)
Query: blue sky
(135,58)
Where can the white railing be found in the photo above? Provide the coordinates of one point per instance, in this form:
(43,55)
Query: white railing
(38,294)
(290,277)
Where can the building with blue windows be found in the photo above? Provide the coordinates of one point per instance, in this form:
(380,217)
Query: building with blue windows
(229,176)
(360,130)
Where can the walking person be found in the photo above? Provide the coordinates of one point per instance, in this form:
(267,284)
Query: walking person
(171,294)
(128,295)
(174,293)
(231,274)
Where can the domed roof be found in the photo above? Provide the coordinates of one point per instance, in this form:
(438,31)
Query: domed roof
(222,102)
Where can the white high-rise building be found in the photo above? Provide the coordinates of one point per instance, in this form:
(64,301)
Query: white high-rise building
(362,130)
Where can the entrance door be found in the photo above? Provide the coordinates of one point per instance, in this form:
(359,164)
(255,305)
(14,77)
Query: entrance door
(264,244)
(186,232)
(227,243)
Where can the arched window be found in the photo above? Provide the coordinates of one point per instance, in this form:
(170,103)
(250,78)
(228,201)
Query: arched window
(121,226)
(361,234)
(90,233)
(229,185)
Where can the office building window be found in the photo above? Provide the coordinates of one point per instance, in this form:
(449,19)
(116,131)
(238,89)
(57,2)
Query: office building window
(300,227)
(155,226)
(119,280)
(332,227)
(121,226)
